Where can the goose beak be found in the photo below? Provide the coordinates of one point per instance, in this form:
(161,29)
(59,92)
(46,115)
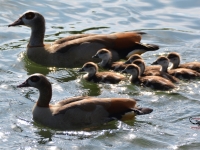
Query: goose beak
(17,23)
(24,84)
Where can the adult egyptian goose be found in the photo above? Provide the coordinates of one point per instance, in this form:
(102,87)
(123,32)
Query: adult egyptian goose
(106,60)
(78,112)
(104,77)
(76,50)
(181,73)
(153,72)
(154,82)
(134,57)
(175,60)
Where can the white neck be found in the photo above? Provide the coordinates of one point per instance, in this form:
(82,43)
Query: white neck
(91,72)
(106,60)
(134,75)
(164,66)
(175,63)
(142,68)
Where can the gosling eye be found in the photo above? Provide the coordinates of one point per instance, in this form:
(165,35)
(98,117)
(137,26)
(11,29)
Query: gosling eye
(29,15)
(130,67)
(103,52)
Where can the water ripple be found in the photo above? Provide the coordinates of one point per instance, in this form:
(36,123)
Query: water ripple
(173,25)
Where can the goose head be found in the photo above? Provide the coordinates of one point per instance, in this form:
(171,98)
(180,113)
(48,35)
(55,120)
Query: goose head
(174,58)
(36,22)
(36,80)
(40,82)
(30,19)
(105,55)
(163,61)
(89,67)
(132,58)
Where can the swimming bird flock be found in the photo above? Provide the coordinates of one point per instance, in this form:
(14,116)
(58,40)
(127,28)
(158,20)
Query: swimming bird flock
(118,54)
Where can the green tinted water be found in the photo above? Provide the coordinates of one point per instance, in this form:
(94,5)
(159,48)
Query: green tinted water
(174,25)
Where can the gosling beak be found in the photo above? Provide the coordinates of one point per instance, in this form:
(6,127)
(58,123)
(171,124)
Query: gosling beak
(123,71)
(95,56)
(81,70)
(155,63)
(127,62)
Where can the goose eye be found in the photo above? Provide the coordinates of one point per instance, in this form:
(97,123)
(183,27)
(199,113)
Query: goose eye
(29,15)
(35,78)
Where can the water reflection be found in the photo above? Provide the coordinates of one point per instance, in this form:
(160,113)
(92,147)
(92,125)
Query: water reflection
(45,135)
(173,25)
(93,89)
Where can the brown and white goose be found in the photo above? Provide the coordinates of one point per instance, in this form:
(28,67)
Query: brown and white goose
(153,72)
(104,77)
(106,60)
(76,50)
(175,60)
(78,112)
(181,73)
(134,57)
(154,82)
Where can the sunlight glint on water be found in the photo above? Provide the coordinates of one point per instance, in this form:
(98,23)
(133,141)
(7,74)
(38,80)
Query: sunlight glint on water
(173,25)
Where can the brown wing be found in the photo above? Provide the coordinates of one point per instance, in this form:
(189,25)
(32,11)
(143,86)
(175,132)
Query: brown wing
(72,37)
(191,65)
(71,100)
(161,74)
(110,77)
(118,66)
(184,73)
(157,82)
(153,67)
(111,105)
(117,41)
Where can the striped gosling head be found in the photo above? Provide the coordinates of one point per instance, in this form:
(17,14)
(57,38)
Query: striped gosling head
(132,69)
(162,60)
(89,67)
(103,54)
(132,58)
(174,58)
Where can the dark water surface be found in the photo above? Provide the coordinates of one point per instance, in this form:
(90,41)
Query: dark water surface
(173,25)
